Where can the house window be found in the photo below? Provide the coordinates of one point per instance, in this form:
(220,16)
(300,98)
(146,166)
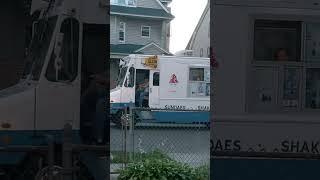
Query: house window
(199,82)
(122,31)
(277,40)
(145,31)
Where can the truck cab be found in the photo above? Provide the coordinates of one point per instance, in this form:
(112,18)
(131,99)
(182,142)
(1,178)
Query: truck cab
(49,92)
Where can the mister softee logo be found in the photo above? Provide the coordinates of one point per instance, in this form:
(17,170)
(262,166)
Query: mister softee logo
(173,79)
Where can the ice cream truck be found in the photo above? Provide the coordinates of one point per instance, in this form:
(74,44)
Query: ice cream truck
(179,88)
(266,89)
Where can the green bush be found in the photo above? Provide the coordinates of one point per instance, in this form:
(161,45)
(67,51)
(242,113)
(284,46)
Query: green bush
(158,169)
(203,172)
(159,166)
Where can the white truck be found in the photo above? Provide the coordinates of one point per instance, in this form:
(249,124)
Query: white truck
(68,35)
(266,88)
(176,84)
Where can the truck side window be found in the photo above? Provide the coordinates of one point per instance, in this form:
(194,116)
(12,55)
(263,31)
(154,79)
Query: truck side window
(277,40)
(130,79)
(69,53)
(156,78)
(199,82)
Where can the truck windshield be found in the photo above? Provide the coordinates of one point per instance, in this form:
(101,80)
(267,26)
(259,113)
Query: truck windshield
(38,48)
(122,76)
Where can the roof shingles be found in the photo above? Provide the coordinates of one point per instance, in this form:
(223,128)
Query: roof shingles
(140,11)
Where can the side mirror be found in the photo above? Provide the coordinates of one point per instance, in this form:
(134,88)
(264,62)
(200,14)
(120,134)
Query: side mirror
(58,63)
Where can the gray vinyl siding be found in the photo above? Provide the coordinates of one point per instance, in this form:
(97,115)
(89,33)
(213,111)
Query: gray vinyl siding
(113,30)
(148,4)
(133,31)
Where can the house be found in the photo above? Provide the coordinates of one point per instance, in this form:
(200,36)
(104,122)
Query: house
(199,42)
(138,27)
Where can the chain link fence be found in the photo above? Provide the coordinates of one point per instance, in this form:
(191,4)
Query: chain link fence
(181,135)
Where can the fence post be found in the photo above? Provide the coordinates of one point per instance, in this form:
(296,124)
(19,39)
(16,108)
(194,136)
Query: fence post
(50,156)
(67,151)
(125,136)
(131,142)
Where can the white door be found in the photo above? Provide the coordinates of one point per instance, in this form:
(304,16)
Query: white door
(128,90)
(154,88)
(58,92)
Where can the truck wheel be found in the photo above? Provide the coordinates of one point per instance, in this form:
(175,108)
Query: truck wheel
(120,119)
(116,118)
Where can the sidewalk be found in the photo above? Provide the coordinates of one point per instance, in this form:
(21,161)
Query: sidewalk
(114,176)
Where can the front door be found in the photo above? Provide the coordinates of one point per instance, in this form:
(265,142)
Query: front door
(58,92)
(154,88)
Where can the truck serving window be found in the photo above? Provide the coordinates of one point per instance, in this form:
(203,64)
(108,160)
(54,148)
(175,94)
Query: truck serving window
(199,82)
(277,40)
(286,85)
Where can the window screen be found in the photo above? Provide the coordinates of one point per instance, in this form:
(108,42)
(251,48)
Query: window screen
(277,40)
(196,74)
(199,82)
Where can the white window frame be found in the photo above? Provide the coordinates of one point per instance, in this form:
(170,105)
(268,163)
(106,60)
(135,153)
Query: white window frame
(149,31)
(205,82)
(302,65)
(124,31)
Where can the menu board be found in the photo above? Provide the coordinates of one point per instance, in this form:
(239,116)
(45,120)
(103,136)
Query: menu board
(312,36)
(198,89)
(207,75)
(313,88)
(291,88)
(208,89)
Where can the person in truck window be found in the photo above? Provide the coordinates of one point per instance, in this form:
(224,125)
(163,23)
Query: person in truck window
(281,55)
(143,91)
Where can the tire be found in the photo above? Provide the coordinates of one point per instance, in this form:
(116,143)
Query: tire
(120,119)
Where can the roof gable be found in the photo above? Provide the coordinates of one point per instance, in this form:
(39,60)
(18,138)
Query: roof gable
(152,48)
(195,32)
(126,49)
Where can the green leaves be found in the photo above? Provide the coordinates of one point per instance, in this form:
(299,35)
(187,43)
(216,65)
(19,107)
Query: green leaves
(158,166)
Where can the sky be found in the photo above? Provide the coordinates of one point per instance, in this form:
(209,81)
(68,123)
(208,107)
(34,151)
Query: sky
(187,14)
